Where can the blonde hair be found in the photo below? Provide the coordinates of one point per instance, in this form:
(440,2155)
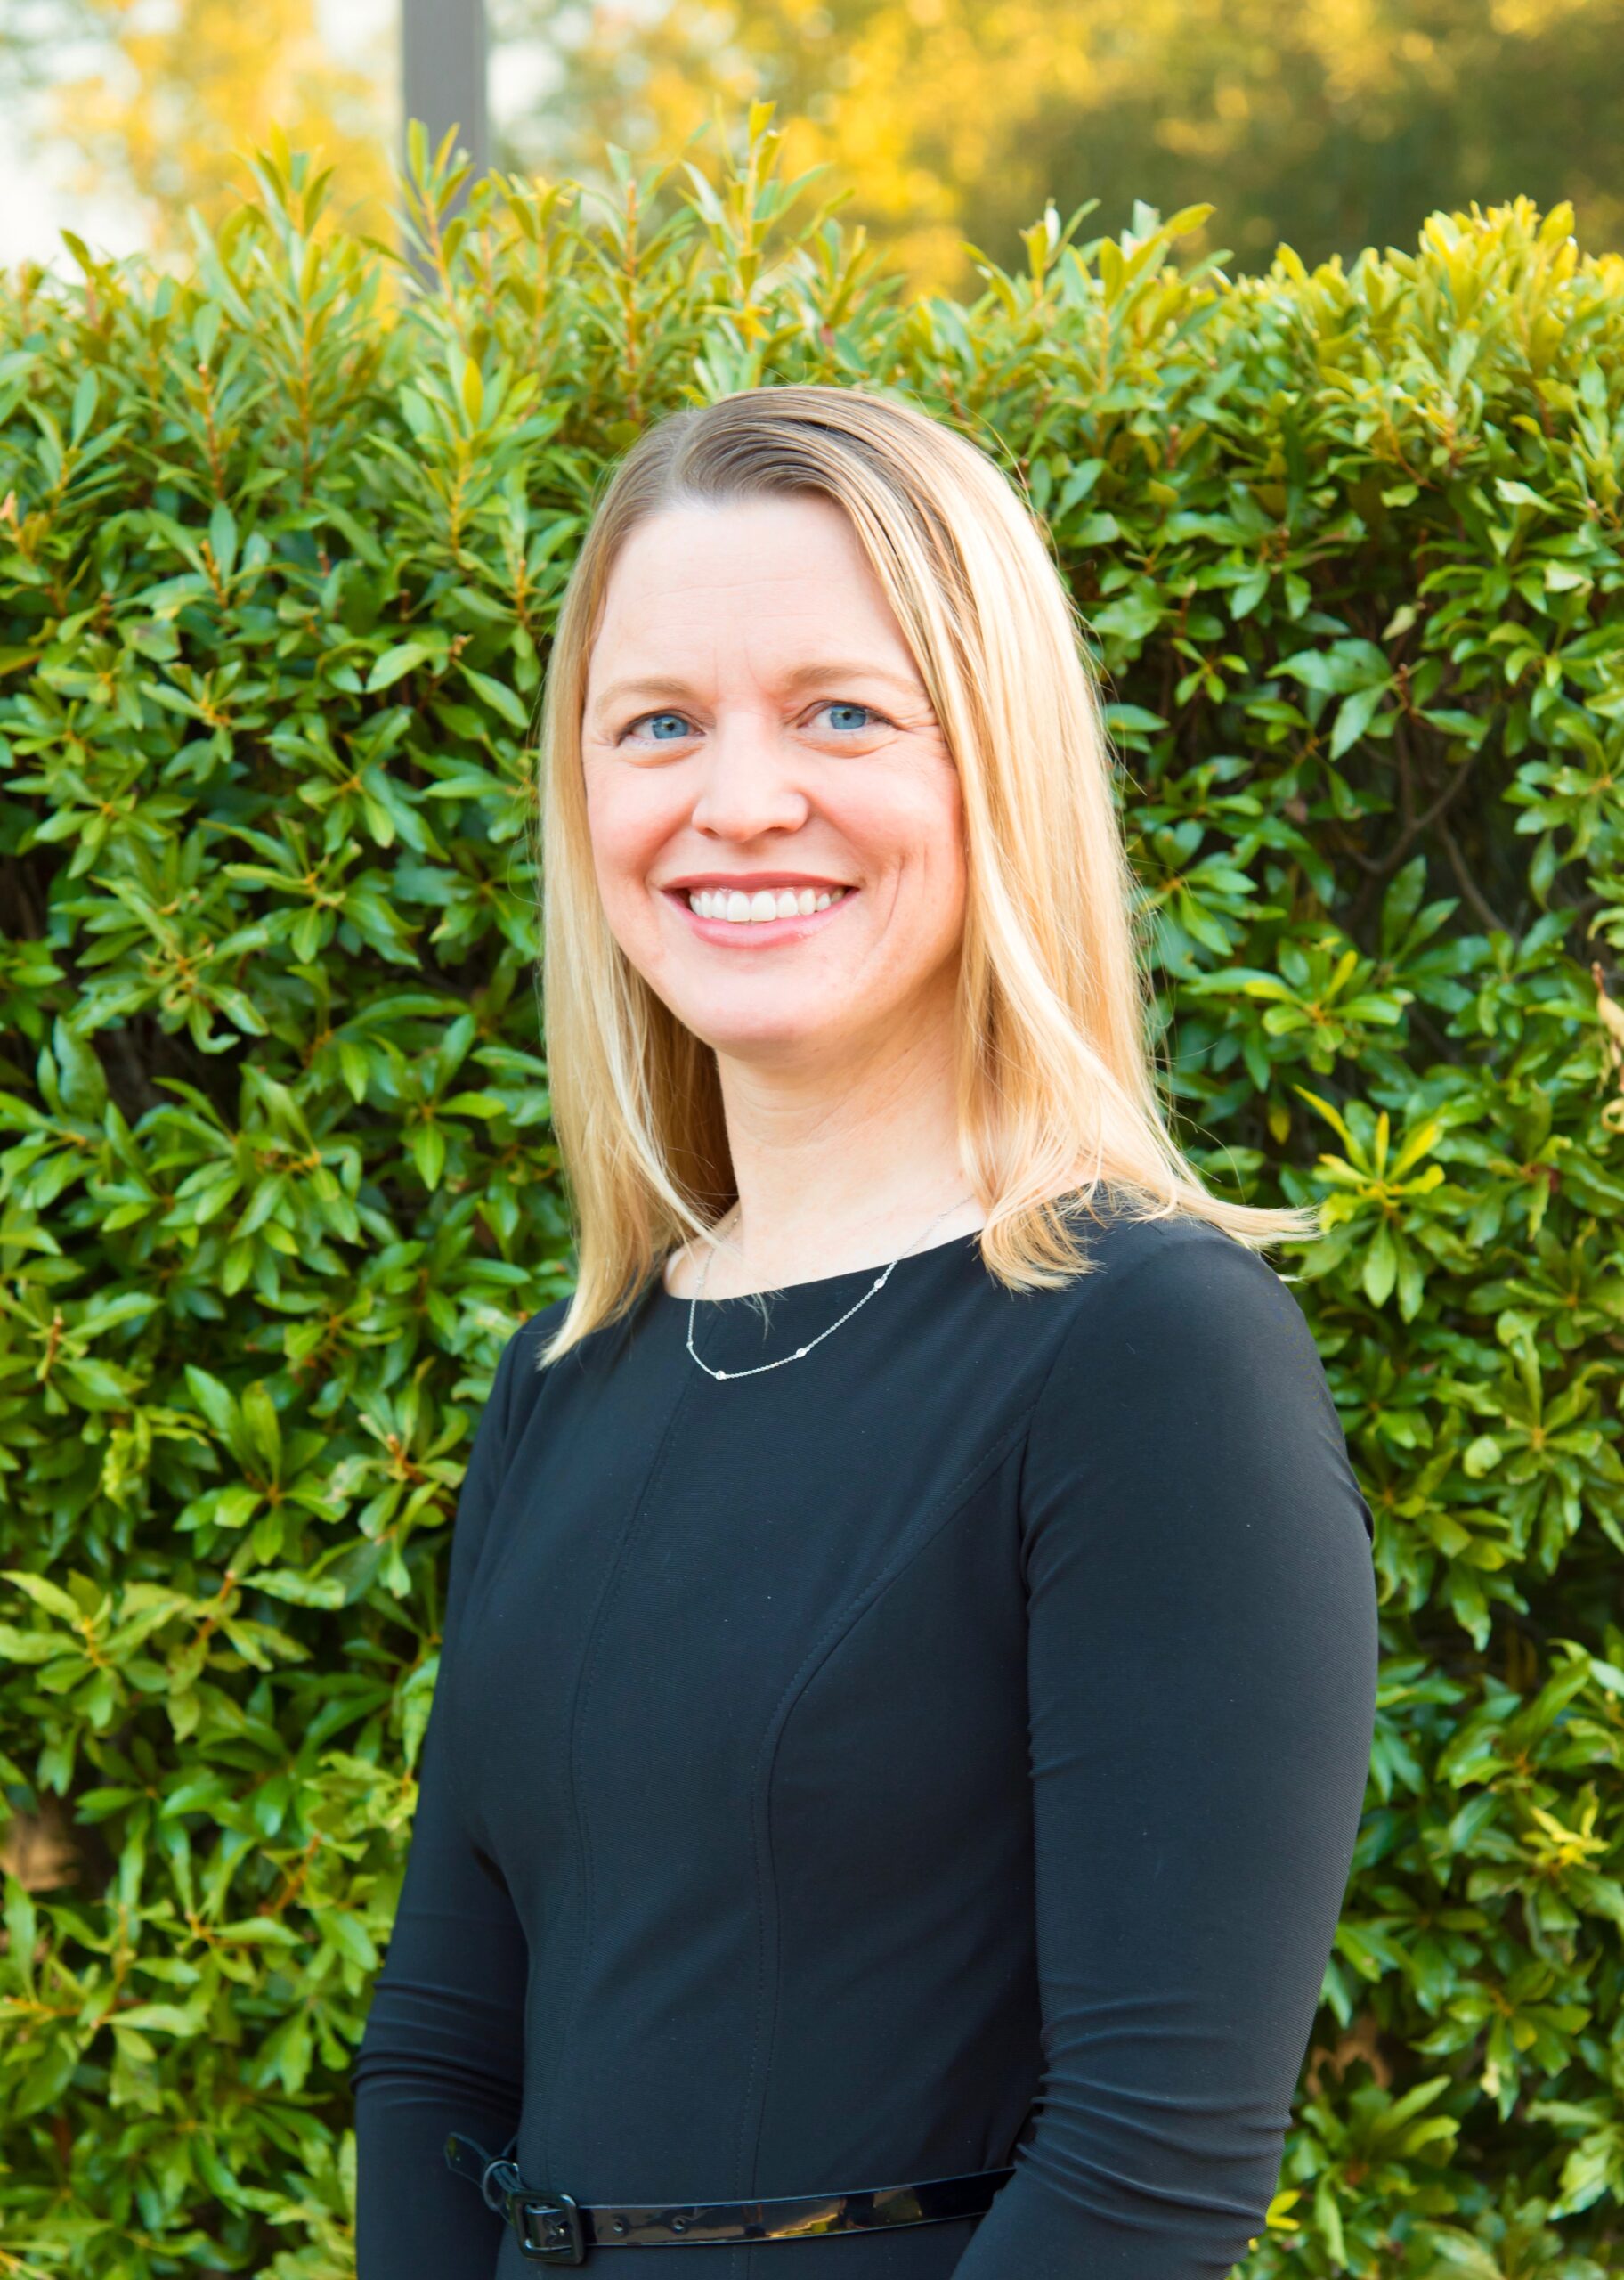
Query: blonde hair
(1057,1089)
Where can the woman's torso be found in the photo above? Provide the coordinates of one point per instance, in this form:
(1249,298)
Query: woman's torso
(740,1715)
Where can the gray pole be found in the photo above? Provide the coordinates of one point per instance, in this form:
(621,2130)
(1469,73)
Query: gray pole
(443,72)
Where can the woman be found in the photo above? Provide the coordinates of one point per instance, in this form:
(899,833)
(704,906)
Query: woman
(909,1658)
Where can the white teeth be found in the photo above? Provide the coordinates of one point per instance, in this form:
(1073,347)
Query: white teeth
(767,902)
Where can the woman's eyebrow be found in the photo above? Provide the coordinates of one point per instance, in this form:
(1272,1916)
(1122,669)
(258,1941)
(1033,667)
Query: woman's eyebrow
(818,669)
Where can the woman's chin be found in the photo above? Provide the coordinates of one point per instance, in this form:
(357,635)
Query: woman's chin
(773,1033)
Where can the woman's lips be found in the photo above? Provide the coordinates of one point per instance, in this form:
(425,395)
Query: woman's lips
(756,933)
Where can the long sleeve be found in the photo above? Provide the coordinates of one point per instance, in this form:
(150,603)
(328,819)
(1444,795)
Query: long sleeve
(1202,1665)
(444,2043)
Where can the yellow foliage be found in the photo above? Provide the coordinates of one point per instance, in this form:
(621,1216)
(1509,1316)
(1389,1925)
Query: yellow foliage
(1329,124)
(185,93)
(1325,124)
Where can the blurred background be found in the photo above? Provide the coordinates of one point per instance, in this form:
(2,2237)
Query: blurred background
(1331,124)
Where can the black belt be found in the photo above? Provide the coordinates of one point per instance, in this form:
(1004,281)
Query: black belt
(554,2229)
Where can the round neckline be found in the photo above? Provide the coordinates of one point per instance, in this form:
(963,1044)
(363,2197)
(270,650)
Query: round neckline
(848,1277)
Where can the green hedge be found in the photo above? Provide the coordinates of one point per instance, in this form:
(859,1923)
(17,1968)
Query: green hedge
(282,539)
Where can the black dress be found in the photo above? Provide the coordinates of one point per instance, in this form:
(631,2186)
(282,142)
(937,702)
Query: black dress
(832,1771)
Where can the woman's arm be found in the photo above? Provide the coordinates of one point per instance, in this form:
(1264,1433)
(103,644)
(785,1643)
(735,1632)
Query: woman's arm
(1202,1690)
(443,2045)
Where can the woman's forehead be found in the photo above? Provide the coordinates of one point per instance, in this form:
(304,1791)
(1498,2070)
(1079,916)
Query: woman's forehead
(693,607)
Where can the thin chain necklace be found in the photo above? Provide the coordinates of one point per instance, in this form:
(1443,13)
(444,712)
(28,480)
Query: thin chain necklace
(801,1353)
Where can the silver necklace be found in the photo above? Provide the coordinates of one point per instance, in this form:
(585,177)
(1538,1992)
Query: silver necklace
(801,1353)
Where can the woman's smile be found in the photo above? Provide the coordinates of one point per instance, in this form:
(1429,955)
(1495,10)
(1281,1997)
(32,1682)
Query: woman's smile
(756,910)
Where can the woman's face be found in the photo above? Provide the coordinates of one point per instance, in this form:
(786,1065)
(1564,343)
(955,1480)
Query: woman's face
(756,739)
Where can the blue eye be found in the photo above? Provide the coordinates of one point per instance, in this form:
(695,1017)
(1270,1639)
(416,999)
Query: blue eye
(648,721)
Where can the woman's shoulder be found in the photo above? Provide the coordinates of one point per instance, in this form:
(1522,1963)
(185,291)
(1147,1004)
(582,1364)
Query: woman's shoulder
(513,1379)
(1174,1311)
(1169,1259)
(521,1357)
(1183,1348)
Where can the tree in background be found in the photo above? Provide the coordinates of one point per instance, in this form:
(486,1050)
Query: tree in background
(1333,124)
(158,104)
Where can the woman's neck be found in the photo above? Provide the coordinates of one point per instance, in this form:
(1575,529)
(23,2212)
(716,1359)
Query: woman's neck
(836,1169)
(721,1273)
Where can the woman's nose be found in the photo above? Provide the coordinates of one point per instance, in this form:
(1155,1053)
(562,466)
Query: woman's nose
(747,788)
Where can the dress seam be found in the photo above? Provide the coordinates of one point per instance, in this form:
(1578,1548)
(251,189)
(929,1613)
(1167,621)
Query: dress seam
(947,1508)
(582,1848)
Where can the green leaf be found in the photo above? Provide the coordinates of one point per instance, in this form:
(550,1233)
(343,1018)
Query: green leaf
(213,1400)
(500,697)
(396,663)
(45,1593)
